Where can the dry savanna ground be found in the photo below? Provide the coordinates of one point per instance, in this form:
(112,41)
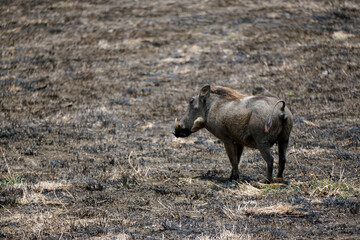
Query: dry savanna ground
(89,90)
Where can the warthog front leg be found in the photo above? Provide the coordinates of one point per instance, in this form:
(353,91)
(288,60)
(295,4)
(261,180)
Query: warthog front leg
(234,152)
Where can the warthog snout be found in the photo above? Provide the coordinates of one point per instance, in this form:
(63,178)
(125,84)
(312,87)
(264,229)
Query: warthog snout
(180,130)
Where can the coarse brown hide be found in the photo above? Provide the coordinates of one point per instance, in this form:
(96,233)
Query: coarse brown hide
(240,121)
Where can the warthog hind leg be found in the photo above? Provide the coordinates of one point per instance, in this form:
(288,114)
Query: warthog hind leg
(282,157)
(265,153)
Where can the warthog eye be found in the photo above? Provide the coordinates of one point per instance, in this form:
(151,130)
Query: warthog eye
(192,100)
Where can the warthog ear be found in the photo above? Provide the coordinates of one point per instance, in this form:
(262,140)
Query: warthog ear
(205,92)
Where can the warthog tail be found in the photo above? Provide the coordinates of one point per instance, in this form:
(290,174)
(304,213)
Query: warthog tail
(283,116)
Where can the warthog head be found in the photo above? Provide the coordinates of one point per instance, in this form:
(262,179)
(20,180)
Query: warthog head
(194,118)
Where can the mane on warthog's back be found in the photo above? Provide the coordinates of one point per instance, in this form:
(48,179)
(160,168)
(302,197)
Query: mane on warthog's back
(226,93)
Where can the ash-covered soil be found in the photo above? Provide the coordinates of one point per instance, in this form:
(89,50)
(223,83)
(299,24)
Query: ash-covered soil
(89,92)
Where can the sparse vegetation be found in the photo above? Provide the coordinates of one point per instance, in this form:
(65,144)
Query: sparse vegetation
(320,188)
(342,188)
(279,189)
(11,181)
(89,91)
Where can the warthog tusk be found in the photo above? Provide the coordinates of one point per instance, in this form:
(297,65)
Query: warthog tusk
(198,124)
(176,123)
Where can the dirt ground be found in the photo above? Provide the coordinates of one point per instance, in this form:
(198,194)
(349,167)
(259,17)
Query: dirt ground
(90,89)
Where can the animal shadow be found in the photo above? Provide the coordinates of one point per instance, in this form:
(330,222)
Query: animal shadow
(217,176)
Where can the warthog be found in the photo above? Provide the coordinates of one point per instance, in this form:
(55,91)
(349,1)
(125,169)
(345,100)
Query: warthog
(239,120)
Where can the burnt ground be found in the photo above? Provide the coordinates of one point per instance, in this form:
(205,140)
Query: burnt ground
(90,90)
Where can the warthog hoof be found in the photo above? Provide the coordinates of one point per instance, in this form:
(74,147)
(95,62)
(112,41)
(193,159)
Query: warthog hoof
(278,180)
(234,177)
(265,181)
(274,180)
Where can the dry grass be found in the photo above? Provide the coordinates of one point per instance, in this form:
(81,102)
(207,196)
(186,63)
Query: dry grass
(134,173)
(250,208)
(244,189)
(278,209)
(89,92)
(227,235)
